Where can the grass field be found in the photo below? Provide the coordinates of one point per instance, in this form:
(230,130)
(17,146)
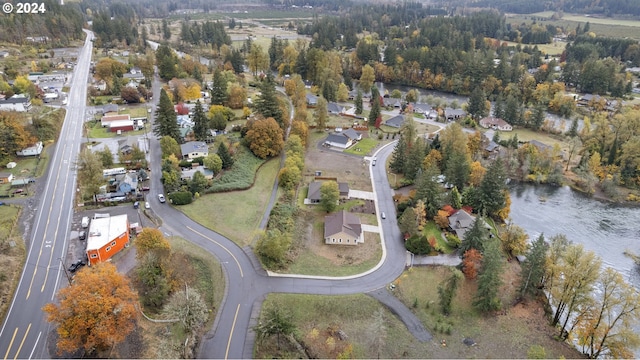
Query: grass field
(553,49)
(220,211)
(355,315)
(364,147)
(96,131)
(431,229)
(135,112)
(600,26)
(11,257)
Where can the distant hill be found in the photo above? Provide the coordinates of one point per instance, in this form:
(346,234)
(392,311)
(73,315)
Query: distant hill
(592,7)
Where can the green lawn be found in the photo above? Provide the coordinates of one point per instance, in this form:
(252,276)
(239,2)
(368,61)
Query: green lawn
(96,131)
(236,214)
(431,229)
(135,112)
(363,147)
(8,214)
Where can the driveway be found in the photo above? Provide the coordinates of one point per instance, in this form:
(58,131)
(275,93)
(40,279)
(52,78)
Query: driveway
(359,194)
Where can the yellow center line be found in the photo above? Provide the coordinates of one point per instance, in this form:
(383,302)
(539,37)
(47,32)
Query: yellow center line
(222,246)
(233,326)
(11,343)
(44,237)
(22,342)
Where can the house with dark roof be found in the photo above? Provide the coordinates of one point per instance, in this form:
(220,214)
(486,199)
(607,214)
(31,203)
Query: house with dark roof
(461,221)
(334,108)
(194,149)
(187,174)
(421,108)
(110,109)
(352,134)
(342,228)
(18,103)
(392,102)
(396,121)
(338,140)
(494,123)
(454,114)
(313,195)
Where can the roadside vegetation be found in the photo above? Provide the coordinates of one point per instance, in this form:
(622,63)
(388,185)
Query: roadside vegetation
(12,254)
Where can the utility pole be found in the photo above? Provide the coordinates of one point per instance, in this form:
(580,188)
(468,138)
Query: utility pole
(65,271)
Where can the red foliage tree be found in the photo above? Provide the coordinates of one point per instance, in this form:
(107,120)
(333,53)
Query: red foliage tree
(471,261)
(182,109)
(449,209)
(378,122)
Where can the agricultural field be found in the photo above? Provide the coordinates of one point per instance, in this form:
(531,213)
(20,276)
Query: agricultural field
(600,26)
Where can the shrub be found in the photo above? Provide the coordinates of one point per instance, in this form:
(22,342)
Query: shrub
(418,245)
(184,164)
(181,198)
(453,240)
(241,175)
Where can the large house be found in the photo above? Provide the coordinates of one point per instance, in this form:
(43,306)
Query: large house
(454,114)
(314,196)
(335,108)
(34,150)
(187,174)
(494,123)
(16,103)
(107,236)
(461,221)
(126,183)
(194,149)
(342,228)
(121,125)
(343,139)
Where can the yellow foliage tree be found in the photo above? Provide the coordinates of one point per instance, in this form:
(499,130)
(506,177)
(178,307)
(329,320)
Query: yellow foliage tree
(96,312)
(237,96)
(265,138)
(504,212)
(433,158)
(477,173)
(151,240)
(442,219)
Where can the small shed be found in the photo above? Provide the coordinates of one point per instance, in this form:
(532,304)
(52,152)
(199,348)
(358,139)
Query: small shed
(11,165)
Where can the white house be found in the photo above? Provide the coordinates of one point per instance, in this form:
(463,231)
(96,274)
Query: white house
(35,149)
(495,124)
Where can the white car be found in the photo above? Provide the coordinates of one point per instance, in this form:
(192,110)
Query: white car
(147,205)
(161,198)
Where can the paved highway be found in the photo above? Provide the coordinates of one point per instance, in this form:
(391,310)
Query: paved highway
(24,332)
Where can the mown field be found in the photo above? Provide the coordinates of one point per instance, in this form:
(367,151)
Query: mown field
(600,26)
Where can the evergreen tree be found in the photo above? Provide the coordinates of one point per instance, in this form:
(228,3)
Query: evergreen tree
(218,121)
(219,93)
(537,118)
(346,76)
(456,198)
(476,106)
(489,280)
(225,156)
(476,237)
(166,123)
(399,156)
(429,191)
(375,110)
(498,107)
(457,170)
(492,189)
(573,130)
(301,64)
(267,103)
(200,123)
(512,110)
(414,158)
(533,268)
(358,102)
(447,290)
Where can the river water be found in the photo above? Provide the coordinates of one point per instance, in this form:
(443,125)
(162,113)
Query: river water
(607,229)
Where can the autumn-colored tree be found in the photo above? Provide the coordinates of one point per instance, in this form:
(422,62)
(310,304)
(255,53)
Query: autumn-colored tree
(169,146)
(503,213)
(477,173)
(471,261)
(329,195)
(237,96)
(442,219)
(13,135)
(433,158)
(213,162)
(182,109)
(514,240)
(421,214)
(95,312)
(152,240)
(320,114)
(265,138)
(289,176)
(301,129)
(367,78)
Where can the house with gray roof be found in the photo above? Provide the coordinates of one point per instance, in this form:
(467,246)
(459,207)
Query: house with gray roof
(334,108)
(342,228)
(352,134)
(18,103)
(194,149)
(396,121)
(421,108)
(454,114)
(312,100)
(461,221)
(313,195)
(187,174)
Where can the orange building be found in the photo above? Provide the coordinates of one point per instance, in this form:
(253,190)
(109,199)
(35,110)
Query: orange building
(107,236)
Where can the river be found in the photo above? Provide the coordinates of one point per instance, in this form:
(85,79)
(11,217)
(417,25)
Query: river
(607,229)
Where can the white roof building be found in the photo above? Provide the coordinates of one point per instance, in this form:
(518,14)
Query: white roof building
(103,230)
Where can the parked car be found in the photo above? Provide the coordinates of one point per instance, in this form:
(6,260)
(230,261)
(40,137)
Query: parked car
(82,235)
(145,188)
(85,222)
(147,205)
(18,191)
(161,198)
(383,215)
(136,204)
(76,265)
